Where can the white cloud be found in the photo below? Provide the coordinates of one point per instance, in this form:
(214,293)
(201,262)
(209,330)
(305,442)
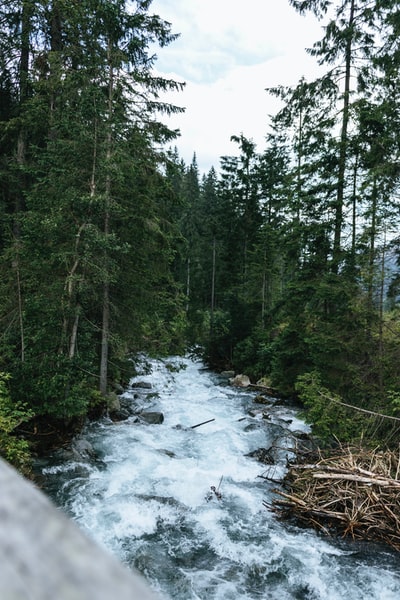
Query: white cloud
(228,53)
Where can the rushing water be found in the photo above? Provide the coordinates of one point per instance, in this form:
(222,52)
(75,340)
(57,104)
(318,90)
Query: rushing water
(144,498)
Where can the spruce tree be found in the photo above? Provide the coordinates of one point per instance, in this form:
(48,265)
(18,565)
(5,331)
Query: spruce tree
(91,137)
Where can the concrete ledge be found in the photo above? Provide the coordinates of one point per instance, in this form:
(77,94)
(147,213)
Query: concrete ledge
(45,556)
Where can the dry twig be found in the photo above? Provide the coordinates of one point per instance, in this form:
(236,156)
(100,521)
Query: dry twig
(353,493)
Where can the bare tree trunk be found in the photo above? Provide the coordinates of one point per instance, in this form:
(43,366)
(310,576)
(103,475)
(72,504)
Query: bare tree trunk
(372,252)
(264,289)
(104,340)
(214,247)
(70,284)
(74,333)
(354,217)
(21,160)
(381,303)
(105,329)
(343,147)
(187,284)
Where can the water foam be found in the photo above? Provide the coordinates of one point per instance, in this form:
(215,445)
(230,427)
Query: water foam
(146,500)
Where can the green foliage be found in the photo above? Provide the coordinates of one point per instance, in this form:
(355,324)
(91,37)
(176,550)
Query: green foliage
(276,265)
(252,356)
(290,357)
(329,420)
(54,387)
(218,350)
(13,414)
(84,207)
(393,398)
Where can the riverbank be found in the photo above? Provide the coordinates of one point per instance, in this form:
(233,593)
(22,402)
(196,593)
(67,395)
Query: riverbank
(143,495)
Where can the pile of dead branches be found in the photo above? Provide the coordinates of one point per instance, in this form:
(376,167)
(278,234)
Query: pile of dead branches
(353,493)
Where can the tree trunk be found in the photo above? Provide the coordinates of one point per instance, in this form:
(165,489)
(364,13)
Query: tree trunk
(381,307)
(21,159)
(105,329)
(343,147)
(187,284)
(372,253)
(354,218)
(213,284)
(104,340)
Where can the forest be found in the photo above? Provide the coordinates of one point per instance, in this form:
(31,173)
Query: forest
(282,263)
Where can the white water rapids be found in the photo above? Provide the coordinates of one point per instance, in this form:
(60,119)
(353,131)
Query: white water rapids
(144,499)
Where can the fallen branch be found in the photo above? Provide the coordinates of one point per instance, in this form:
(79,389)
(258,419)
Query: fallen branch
(203,423)
(358,409)
(367,480)
(353,493)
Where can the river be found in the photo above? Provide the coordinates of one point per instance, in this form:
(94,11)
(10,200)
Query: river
(144,498)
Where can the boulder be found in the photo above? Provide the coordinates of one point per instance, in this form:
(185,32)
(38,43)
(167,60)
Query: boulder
(240,381)
(253,426)
(152,418)
(81,448)
(120,415)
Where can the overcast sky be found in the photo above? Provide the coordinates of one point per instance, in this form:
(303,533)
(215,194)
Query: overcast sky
(228,52)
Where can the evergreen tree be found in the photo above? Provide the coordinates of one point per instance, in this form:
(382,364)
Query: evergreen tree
(90,133)
(348,39)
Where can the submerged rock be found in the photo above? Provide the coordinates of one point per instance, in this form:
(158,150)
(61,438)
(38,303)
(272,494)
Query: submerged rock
(81,448)
(120,415)
(261,399)
(141,384)
(167,452)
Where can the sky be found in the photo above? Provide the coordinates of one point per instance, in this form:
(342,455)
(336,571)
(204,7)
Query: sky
(228,53)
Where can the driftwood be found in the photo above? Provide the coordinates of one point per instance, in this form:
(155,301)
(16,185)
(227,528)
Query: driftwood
(43,555)
(353,493)
(200,424)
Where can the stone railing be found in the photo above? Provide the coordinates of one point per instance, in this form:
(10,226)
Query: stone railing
(44,555)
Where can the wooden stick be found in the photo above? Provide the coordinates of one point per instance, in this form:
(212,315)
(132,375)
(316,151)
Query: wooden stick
(349,477)
(203,423)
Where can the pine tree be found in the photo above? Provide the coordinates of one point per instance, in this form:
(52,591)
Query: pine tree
(91,132)
(348,39)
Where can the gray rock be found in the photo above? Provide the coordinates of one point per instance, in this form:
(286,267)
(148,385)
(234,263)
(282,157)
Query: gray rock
(240,381)
(152,418)
(81,448)
(141,384)
(167,452)
(120,415)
